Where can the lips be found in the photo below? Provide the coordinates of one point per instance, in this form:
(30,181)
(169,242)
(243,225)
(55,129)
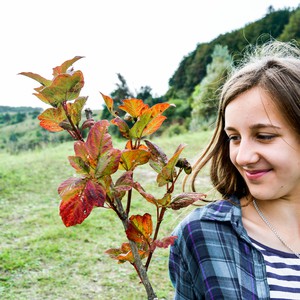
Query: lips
(256,174)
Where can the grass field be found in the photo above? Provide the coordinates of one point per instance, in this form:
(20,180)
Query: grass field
(42,259)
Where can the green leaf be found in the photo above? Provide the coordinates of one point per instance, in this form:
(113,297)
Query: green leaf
(64,87)
(75,109)
(79,165)
(168,171)
(108,163)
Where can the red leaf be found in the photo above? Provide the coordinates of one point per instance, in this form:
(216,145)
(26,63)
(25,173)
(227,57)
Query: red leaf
(79,196)
(125,182)
(98,140)
(164,243)
(158,158)
(122,125)
(81,151)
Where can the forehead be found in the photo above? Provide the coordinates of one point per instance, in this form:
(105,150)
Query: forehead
(253,106)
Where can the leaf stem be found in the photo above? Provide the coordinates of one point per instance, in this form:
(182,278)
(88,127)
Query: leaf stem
(138,265)
(75,128)
(128,202)
(158,223)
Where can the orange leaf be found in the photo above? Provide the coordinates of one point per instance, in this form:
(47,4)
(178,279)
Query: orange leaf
(149,197)
(135,107)
(153,125)
(109,104)
(65,66)
(139,228)
(130,159)
(124,253)
(51,118)
(159,108)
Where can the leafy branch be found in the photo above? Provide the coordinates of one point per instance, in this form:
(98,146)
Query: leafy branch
(105,175)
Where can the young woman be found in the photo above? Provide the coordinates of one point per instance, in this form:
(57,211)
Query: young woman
(247,246)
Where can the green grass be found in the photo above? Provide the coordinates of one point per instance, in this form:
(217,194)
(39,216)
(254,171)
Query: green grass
(42,259)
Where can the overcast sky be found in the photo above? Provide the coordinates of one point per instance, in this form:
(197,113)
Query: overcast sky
(142,40)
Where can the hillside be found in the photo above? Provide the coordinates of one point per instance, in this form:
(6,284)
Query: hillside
(20,130)
(282,25)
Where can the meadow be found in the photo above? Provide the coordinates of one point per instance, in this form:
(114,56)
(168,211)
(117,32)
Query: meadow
(42,259)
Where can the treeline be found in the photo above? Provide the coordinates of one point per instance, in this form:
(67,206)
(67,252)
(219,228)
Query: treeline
(193,88)
(20,130)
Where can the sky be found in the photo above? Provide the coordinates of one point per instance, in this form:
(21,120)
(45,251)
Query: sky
(143,40)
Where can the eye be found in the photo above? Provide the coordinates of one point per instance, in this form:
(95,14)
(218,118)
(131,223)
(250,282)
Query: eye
(234,138)
(265,137)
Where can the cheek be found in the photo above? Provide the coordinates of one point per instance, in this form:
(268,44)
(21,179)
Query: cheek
(232,155)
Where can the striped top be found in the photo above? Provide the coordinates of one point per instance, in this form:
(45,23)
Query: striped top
(283,272)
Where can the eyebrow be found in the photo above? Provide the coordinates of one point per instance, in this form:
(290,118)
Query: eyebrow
(255,126)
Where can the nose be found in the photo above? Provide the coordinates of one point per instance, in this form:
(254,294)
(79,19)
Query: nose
(246,153)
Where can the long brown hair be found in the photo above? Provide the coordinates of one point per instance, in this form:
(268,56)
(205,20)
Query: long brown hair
(275,68)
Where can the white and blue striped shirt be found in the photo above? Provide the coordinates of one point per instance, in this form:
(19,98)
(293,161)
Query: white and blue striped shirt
(283,272)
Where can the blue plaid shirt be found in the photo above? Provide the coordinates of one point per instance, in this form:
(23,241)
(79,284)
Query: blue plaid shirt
(213,257)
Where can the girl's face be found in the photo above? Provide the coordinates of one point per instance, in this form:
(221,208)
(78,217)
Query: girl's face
(263,147)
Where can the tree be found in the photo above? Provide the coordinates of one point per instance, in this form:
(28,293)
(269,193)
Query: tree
(205,97)
(120,93)
(292,29)
(105,176)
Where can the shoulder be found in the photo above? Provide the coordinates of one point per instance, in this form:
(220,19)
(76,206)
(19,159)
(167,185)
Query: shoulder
(208,221)
(222,210)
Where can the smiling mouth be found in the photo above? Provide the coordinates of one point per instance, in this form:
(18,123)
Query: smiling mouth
(256,174)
